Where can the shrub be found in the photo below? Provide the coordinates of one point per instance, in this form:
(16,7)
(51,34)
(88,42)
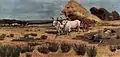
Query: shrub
(43,49)
(112,48)
(97,38)
(27,48)
(118,47)
(30,39)
(28,55)
(26,35)
(27,39)
(9,51)
(43,37)
(11,35)
(89,35)
(118,37)
(33,34)
(2,36)
(53,47)
(65,47)
(92,52)
(38,30)
(80,49)
(105,36)
(26,30)
(38,39)
(33,43)
(20,39)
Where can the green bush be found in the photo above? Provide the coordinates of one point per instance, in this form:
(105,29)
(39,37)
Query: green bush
(92,52)
(27,48)
(65,47)
(44,48)
(80,49)
(9,51)
(53,47)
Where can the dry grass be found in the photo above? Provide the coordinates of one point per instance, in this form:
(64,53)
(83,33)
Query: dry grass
(103,51)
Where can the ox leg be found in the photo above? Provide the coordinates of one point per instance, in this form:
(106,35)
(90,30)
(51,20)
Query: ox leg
(68,33)
(81,29)
(62,31)
(78,29)
(57,34)
(69,30)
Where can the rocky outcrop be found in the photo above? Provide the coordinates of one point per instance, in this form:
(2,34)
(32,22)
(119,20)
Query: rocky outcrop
(115,15)
(94,11)
(103,14)
(74,10)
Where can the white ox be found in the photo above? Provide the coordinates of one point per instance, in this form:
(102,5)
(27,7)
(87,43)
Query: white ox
(58,26)
(69,25)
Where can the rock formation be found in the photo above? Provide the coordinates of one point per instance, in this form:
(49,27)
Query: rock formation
(115,15)
(104,14)
(101,13)
(94,11)
(74,10)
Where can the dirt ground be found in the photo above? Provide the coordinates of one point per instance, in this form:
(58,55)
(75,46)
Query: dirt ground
(103,51)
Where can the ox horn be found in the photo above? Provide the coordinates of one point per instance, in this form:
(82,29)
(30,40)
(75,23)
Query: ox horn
(57,18)
(52,18)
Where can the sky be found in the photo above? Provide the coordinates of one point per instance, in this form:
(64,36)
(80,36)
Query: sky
(44,9)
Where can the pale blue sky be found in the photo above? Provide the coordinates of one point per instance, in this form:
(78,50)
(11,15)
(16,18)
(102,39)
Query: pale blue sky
(39,9)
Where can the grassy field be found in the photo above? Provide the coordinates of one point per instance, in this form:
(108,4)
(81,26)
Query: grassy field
(36,36)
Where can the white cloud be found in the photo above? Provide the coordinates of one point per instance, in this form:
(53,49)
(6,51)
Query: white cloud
(35,8)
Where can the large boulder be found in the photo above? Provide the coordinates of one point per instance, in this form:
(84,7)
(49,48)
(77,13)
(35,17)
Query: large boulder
(74,11)
(94,11)
(104,14)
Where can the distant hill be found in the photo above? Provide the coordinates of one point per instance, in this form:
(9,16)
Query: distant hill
(39,21)
(11,21)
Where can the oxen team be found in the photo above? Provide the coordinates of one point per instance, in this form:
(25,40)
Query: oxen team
(66,26)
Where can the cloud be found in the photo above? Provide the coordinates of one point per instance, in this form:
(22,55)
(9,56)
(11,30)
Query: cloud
(39,9)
